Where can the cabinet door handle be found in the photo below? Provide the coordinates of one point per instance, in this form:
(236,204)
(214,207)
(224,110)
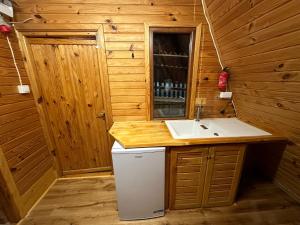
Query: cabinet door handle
(210,157)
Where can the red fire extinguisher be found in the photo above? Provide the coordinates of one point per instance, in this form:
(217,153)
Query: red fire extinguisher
(223,79)
(4,27)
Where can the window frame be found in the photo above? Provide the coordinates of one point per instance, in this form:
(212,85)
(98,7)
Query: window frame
(185,30)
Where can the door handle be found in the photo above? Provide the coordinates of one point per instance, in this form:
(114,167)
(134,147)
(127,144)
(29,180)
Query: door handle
(212,156)
(101,115)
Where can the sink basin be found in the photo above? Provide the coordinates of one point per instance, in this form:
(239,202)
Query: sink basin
(212,128)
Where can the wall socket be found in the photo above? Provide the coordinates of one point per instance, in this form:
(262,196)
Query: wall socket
(226,95)
(23,89)
(200,101)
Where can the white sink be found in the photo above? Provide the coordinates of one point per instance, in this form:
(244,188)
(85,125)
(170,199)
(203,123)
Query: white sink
(212,128)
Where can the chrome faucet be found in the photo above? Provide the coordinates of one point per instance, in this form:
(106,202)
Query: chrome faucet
(199,110)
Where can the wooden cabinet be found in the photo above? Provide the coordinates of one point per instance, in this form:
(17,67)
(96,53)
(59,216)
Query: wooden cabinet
(203,176)
(222,174)
(187,174)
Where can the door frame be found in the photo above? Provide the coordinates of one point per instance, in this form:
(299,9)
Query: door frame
(98,34)
(193,76)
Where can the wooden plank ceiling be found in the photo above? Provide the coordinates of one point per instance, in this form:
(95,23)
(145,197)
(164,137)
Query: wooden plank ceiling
(259,41)
(124,40)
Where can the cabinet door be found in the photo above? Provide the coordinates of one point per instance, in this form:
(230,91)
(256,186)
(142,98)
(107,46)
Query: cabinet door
(187,174)
(223,174)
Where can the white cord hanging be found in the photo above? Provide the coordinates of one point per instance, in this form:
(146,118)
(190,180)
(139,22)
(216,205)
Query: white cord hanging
(23,89)
(215,45)
(14,59)
(24,21)
(211,33)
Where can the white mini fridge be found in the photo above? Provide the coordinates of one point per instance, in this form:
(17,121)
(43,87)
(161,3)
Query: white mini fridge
(140,181)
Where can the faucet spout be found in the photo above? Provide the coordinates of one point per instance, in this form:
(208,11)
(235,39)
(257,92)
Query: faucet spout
(199,110)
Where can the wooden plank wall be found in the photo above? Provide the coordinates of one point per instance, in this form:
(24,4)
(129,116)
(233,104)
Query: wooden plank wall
(259,41)
(124,39)
(21,136)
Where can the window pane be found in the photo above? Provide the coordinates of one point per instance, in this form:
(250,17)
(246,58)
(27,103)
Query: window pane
(170,71)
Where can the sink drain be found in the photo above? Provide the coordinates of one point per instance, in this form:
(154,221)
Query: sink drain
(204,127)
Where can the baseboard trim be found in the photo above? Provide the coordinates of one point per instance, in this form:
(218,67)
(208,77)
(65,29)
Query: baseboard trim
(87,175)
(37,192)
(85,171)
(38,189)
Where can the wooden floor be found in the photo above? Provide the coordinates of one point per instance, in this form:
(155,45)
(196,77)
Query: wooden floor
(93,202)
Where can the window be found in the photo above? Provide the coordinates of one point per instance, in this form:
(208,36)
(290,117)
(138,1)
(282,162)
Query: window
(171,51)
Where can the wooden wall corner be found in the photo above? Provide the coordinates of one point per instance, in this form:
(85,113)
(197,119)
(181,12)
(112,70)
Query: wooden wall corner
(17,206)
(10,197)
(30,198)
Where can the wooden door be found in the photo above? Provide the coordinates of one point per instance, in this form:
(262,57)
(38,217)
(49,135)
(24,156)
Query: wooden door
(68,75)
(223,174)
(187,175)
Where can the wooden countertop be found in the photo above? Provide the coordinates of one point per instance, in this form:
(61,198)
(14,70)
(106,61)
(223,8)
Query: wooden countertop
(134,134)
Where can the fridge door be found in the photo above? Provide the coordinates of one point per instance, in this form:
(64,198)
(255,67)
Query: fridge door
(140,182)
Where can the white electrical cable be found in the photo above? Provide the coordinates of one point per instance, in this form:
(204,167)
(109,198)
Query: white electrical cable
(211,33)
(215,45)
(14,59)
(24,21)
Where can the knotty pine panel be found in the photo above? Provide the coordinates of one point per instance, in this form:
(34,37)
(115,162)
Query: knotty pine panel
(21,135)
(123,23)
(187,176)
(223,174)
(259,41)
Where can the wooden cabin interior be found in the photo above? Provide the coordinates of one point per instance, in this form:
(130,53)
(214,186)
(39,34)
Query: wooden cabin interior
(203,95)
